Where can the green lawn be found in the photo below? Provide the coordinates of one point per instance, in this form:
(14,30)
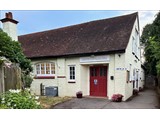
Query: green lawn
(48,101)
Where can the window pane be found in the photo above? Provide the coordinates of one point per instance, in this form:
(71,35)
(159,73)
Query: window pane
(38,72)
(38,68)
(52,68)
(103,71)
(93,72)
(42,68)
(128,75)
(72,72)
(73,68)
(70,68)
(47,68)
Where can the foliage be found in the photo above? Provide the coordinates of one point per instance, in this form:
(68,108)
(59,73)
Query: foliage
(27,80)
(13,51)
(151,39)
(3,60)
(147,32)
(18,99)
(150,56)
(117,97)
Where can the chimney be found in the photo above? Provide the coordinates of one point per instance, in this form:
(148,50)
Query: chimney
(10,26)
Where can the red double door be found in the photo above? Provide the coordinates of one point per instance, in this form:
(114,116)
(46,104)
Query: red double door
(98,81)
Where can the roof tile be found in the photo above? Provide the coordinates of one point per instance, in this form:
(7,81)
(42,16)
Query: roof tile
(92,37)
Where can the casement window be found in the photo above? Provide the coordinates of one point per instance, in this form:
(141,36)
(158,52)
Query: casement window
(134,73)
(72,71)
(45,69)
(133,45)
(137,44)
(128,76)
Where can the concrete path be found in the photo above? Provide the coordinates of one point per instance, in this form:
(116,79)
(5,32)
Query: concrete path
(145,100)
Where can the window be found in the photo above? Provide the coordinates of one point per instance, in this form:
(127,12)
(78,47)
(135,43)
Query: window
(103,71)
(93,71)
(45,69)
(130,73)
(137,44)
(133,45)
(134,72)
(128,76)
(72,73)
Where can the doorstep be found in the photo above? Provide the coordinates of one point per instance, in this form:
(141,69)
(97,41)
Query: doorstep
(88,96)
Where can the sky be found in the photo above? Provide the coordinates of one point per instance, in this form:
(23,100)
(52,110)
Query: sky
(31,21)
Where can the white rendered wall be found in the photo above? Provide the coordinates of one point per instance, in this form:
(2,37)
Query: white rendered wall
(82,82)
(11,29)
(131,60)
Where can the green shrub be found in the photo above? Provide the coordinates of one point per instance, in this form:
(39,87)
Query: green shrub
(18,99)
(27,80)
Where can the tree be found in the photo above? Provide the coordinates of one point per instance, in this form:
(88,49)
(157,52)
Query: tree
(13,51)
(151,39)
(147,32)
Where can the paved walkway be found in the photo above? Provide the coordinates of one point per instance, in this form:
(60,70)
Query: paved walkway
(145,100)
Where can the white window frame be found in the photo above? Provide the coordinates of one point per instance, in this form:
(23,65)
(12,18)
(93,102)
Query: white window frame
(130,69)
(128,76)
(134,73)
(133,45)
(72,80)
(50,71)
(136,43)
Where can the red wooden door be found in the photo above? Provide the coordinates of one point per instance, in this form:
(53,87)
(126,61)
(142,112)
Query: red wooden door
(98,81)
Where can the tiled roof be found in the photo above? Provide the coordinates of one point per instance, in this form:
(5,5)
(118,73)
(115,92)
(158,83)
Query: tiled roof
(95,37)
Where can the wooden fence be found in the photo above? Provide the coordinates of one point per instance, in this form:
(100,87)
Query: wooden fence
(10,77)
(1,80)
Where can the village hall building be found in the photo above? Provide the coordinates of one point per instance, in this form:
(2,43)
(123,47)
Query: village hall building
(99,58)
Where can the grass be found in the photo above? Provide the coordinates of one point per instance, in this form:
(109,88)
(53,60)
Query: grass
(47,101)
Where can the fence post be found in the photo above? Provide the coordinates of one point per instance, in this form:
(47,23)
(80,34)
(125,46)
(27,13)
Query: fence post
(2,85)
(42,89)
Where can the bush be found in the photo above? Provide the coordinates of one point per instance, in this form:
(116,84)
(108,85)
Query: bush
(27,80)
(12,50)
(18,99)
(117,97)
